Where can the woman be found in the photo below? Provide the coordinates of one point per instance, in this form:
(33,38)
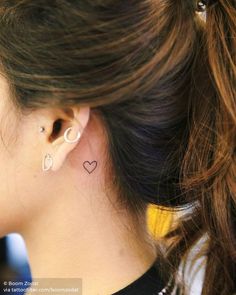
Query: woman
(108,106)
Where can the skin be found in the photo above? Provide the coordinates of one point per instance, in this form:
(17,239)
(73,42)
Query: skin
(71,224)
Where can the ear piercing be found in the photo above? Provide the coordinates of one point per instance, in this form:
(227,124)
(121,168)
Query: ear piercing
(41,129)
(48,160)
(69,140)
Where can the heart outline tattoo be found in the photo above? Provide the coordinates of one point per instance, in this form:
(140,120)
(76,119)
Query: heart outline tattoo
(90,166)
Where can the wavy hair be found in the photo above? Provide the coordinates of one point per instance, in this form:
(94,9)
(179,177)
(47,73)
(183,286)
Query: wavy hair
(163,81)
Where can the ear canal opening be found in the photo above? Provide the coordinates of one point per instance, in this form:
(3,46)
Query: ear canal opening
(56,128)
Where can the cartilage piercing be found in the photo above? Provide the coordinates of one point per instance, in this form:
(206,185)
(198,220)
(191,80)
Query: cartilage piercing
(69,140)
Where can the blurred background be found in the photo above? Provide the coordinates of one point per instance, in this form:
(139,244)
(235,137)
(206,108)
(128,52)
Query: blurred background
(13,260)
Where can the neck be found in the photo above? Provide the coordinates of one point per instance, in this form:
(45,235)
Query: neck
(75,240)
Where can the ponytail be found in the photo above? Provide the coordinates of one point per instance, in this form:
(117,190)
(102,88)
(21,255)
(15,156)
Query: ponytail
(209,165)
(221,222)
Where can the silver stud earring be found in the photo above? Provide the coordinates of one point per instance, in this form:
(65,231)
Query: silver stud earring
(41,129)
(69,140)
(47,162)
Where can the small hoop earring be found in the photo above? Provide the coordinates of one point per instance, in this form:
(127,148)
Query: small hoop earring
(47,162)
(66,136)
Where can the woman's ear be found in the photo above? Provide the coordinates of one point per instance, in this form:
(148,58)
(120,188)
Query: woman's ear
(71,132)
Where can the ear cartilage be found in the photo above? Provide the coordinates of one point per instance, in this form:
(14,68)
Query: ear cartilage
(58,141)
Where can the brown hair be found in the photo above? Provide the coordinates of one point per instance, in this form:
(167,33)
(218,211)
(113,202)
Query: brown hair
(163,83)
